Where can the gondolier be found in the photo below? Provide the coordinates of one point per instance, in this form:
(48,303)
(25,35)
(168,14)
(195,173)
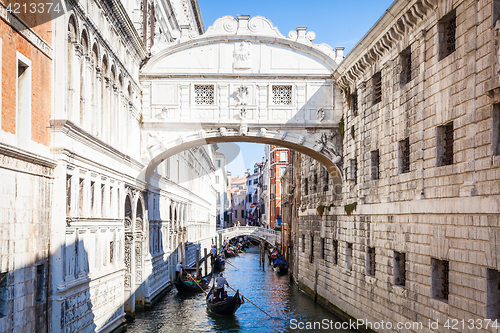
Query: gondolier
(221,281)
(178,270)
(213,252)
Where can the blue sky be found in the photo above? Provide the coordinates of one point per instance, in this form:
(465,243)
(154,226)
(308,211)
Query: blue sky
(335,22)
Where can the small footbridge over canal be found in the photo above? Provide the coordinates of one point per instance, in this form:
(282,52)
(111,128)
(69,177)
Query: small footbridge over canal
(270,236)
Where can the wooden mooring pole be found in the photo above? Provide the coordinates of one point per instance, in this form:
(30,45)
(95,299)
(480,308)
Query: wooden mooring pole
(205,261)
(197,263)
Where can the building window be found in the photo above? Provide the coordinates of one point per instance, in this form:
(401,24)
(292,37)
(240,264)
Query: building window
(306,186)
(348,256)
(326,178)
(353,174)
(311,249)
(370,261)
(23,104)
(283,156)
(68,195)
(204,94)
(242,214)
(217,179)
(492,294)
(218,163)
(440,275)
(282,95)
(111,251)
(445,144)
(375,164)
(103,188)
(335,252)
(377,88)
(354,103)
(4,294)
(255,181)
(405,58)
(496,129)
(322,248)
(447,34)
(81,193)
(404,155)
(40,283)
(249,198)
(399,269)
(303,243)
(235,214)
(92,196)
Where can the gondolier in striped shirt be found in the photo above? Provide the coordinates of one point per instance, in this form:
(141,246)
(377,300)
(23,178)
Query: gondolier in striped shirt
(221,281)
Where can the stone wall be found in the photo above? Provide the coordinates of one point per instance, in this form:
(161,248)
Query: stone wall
(415,233)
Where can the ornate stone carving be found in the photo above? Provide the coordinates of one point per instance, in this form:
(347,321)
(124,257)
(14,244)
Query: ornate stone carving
(301,140)
(223,131)
(320,114)
(162,114)
(202,134)
(243,130)
(282,135)
(242,95)
(242,55)
(325,145)
(263,132)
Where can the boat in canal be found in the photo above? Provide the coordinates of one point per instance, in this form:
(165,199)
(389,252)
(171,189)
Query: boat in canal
(190,287)
(280,266)
(226,307)
(219,264)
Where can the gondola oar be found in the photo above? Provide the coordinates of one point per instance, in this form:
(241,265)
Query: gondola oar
(227,262)
(253,304)
(195,281)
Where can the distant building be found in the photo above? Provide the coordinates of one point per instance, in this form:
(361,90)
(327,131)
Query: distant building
(238,200)
(254,194)
(278,160)
(221,182)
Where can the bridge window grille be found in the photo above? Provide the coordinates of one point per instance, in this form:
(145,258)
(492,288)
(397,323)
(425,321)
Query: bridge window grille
(447,33)
(282,95)
(377,88)
(4,294)
(440,273)
(370,261)
(375,161)
(399,269)
(404,153)
(204,94)
(335,252)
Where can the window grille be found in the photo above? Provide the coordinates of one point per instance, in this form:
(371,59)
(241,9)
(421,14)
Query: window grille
(448,144)
(311,256)
(406,64)
(306,186)
(446,279)
(377,88)
(204,95)
(375,157)
(450,31)
(323,248)
(354,103)
(40,283)
(327,179)
(282,95)
(399,269)
(496,129)
(370,265)
(335,252)
(405,155)
(315,183)
(303,243)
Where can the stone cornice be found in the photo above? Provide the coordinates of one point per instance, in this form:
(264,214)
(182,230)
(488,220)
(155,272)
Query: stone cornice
(399,18)
(20,160)
(233,76)
(73,131)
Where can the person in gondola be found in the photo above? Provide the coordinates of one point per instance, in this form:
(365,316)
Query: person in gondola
(178,271)
(213,252)
(221,281)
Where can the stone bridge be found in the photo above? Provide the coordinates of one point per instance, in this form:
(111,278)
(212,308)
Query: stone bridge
(270,236)
(242,81)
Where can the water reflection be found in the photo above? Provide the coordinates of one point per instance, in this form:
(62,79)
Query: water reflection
(274,294)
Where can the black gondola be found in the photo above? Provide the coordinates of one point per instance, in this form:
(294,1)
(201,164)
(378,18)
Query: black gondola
(218,265)
(281,268)
(186,287)
(226,307)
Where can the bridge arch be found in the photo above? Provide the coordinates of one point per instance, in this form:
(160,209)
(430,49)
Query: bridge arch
(270,236)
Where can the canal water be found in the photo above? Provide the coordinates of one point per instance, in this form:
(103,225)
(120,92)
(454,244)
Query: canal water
(275,294)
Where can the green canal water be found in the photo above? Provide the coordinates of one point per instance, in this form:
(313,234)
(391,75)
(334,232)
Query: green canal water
(289,307)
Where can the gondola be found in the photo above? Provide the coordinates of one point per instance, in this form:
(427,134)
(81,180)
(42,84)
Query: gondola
(227,307)
(229,253)
(219,264)
(191,287)
(281,268)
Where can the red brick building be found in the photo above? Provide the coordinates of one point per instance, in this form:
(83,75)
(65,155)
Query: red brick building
(278,157)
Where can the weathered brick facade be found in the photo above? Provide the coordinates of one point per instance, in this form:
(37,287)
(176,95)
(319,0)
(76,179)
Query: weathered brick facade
(416,221)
